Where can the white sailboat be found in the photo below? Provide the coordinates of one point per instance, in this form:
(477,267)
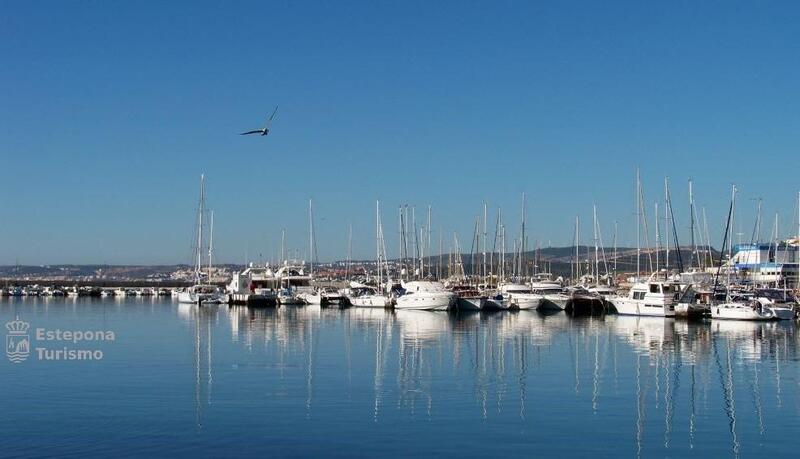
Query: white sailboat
(365,296)
(200,293)
(739,310)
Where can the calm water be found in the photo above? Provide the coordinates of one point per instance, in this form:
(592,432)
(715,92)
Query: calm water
(299,381)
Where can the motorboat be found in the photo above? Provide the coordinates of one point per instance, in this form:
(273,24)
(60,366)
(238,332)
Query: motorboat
(254,285)
(368,297)
(694,302)
(469,298)
(781,302)
(324,296)
(425,295)
(553,296)
(654,297)
(289,297)
(521,296)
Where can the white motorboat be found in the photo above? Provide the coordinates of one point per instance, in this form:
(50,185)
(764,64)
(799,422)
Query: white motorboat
(469,298)
(289,297)
(324,296)
(496,302)
(553,296)
(201,294)
(521,296)
(739,310)
(368,297)
(425,295)
(655,297)
(782,302)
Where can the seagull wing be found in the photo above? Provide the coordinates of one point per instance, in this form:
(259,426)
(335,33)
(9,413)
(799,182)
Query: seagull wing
(259,131)
(269,121)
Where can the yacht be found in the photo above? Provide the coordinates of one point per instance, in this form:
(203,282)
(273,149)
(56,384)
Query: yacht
(781,302)
(287,296)
(325,296)
(553,296)
(742,310)
(521,296)
(655,297)
(468,298)
(368,297)
(254,285)
(694,302)
(201,294)
(425,295)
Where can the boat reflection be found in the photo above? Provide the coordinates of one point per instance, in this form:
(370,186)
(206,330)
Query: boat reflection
(677,377)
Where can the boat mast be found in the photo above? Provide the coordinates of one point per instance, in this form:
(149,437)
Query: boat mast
(615,249)
(311,250)
(658,235)
(439,265)
(638,230)
(691,224)
(283,247)
(429,251)
(503,253)
(667,212)
(483,265)
(596,248)
(200,211)
(210,245)
(577,254)
(522,266)
(349,250)
(377,242)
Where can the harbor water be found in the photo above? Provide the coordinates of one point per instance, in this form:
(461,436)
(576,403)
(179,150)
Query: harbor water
(216,381)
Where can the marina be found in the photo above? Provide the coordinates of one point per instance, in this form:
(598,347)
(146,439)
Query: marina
(399,229)
(642,386)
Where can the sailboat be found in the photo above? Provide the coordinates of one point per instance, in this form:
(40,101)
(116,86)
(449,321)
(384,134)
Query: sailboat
(201,293)
(365,296)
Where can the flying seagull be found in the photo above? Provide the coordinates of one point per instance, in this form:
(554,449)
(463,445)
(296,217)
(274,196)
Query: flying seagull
(264,131)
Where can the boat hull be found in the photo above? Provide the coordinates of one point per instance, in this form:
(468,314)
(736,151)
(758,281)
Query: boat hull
(740,312)
(472,303)
(783,312)
(524,301)
(423,302)
(629,307)
(370,301)
(554,302)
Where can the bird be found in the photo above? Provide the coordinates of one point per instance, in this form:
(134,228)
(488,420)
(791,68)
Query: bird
(265,130)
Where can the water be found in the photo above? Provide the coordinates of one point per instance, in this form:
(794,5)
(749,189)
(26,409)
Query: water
(297,381)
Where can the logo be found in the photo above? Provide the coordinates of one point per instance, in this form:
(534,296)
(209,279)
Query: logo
(18,343)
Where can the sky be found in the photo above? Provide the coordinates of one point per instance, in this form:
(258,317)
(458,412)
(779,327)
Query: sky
(111,110)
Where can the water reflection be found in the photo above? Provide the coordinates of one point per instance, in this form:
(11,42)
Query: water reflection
(636,386)
(675,373)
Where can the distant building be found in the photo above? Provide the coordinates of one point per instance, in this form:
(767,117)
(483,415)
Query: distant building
(766,263)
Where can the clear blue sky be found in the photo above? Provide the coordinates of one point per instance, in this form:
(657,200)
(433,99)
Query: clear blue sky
(111,110)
